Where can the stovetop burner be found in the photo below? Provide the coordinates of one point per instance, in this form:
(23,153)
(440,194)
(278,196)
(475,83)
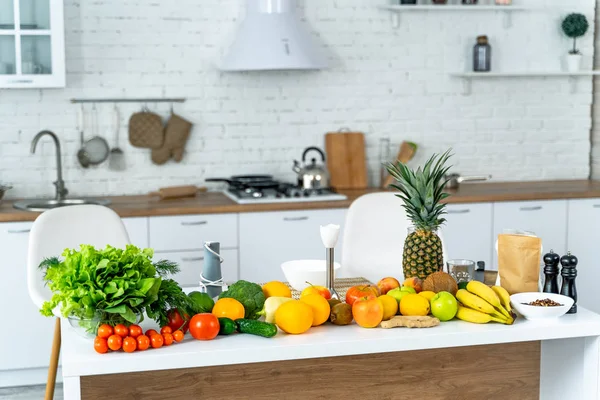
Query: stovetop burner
(284,193)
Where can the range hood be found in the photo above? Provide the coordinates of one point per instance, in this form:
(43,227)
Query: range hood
(273,38)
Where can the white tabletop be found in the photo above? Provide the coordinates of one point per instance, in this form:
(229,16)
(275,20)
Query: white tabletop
(79,357)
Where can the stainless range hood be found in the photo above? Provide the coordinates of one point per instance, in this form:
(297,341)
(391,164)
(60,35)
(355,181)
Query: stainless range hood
(273,38)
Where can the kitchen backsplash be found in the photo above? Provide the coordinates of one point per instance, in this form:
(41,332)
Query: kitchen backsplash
(384,81)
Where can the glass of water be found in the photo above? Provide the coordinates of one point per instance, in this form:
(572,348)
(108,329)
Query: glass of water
(461,270)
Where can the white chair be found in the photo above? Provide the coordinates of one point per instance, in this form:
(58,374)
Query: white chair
(56,230)
(374,233)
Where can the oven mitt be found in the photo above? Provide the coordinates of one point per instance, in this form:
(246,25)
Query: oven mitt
(146,130)
(177,133)
(160,156)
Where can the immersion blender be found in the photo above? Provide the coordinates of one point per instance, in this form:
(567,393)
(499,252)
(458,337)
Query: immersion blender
(329,236)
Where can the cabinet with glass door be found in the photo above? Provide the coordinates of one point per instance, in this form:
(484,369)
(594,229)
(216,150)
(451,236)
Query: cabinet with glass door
(32,44)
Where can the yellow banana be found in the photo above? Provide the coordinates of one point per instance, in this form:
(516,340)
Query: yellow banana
(475,302)
(487,294)
(474,316)
(503,296)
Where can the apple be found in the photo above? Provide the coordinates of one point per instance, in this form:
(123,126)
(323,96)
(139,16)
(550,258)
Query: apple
(320,290)
(415,283)
(387,284)
(400,292)
(444,306)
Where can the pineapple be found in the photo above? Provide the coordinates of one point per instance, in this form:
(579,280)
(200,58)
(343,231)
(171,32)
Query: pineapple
(422,192)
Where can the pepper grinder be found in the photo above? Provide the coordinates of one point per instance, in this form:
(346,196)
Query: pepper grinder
(569,273)
(329,236)
(551,272)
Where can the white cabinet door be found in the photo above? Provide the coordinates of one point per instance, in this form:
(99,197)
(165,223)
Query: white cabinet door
(547,219)
(468,232)
(271,238)
(583,239)
(192,262)
(32,44)
(34,330)
(137,229)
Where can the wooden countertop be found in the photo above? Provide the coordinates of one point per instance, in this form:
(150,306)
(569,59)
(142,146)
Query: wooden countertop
(217,203)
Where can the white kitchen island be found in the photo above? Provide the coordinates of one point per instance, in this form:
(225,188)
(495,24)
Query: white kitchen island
(465,361)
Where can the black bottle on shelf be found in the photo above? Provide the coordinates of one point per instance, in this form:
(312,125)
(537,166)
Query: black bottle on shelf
(551,272)
(482,55)
(569,273)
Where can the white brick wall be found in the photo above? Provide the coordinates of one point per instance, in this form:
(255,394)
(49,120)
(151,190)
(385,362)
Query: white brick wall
(386,82)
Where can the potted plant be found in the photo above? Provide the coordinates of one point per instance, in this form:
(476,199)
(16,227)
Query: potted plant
(574,26)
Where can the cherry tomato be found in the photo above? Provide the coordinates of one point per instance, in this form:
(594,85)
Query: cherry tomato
(115,342)
(151,332)
(121,330)
(129,344)
(143,342)
(104,331)
(204,326)
(166,329)
(100,345)
(176,321)
(135,331)
(167,339)
(178,335)
(156,340)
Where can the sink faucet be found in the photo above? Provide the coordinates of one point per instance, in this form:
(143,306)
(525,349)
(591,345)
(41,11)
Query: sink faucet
(61,190)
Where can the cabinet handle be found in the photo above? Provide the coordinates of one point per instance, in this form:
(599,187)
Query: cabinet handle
(295,219)
(194,223)
(534,208)
(14,231)
(596,205)
(191,259)
(465,211)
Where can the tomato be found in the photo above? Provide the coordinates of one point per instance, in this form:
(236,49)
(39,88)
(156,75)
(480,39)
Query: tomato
(178,335)
(100,345)
(115,342)
(143,342)
(104,331)
(360,292)
(129,344)
(176,321)
(156,340)
(204,326)
(166,329)
(151,332)
(135,331)
(167,338)
(121,330)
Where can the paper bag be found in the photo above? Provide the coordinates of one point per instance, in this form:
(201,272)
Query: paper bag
(519,262)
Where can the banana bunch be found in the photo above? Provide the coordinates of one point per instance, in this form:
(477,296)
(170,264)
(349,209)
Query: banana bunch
(481,304)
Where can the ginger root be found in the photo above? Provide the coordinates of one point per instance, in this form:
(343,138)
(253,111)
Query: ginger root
(410,322)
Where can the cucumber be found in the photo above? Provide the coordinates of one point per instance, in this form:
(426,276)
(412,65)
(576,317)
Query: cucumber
(259,328)
(227,326)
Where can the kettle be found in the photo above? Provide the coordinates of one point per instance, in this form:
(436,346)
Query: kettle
(312,176)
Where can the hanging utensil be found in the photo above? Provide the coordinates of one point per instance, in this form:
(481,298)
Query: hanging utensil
(97,147)
(82,155)
(405,154)
(116,161)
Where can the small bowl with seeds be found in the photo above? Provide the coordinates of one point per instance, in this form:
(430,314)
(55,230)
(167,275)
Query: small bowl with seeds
(538,305)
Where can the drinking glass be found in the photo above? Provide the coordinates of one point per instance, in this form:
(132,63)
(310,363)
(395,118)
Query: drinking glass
(461,270)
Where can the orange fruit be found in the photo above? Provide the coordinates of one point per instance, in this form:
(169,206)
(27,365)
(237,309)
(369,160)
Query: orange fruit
(428,294)
(276,289)
(320,307)
(414,304)
(294,317)
(229,308)
(367,313)
(390,306)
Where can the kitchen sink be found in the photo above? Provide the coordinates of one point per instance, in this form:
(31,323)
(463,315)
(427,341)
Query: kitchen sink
(41,205)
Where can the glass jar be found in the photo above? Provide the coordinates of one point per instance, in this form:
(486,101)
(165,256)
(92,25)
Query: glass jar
(439,1)
(482,55)
(469,1)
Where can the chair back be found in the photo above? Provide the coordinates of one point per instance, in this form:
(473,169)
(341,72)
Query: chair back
(69,227)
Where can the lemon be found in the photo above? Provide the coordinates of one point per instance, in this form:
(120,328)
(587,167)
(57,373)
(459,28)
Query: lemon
(294,317)
(390,306)
(276,289)
(428,294)
(414,304)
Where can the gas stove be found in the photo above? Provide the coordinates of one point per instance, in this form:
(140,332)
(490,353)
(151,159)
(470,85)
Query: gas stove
(284,193)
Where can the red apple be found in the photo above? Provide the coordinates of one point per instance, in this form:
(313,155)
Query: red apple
(320,290)
(414,283)
(387,284)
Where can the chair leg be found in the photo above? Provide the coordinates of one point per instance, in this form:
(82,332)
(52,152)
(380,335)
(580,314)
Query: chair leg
(53,362)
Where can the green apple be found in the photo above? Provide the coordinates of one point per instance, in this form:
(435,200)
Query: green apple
(400,292)
(444,306)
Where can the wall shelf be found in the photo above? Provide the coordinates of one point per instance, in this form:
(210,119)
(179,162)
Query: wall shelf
(507,10)
(468,77)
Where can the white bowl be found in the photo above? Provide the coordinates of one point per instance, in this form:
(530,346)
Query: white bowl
(299,272)
(536,312)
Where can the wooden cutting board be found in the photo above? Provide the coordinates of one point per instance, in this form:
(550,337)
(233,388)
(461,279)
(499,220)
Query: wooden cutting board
(346,160)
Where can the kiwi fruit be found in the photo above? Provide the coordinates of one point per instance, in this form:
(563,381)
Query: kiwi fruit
(333,302)
(341,314)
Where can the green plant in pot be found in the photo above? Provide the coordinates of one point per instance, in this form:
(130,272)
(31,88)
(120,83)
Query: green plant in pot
(574,26)
(422,192)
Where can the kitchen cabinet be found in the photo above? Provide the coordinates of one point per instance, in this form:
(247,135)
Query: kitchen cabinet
(583,237)
(32,44)
(546,219)
(468,232)
(192,262)
(270,238)
(137,229)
